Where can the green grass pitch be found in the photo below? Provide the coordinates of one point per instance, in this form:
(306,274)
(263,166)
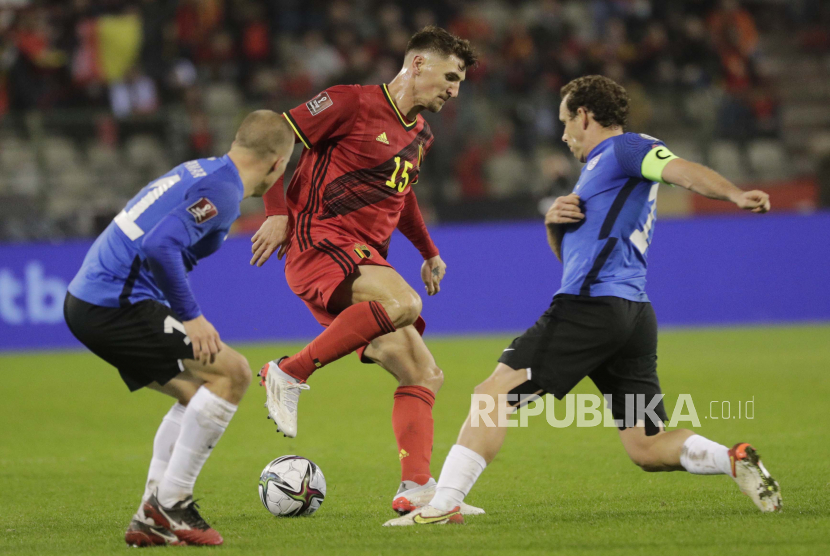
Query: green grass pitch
(75,446)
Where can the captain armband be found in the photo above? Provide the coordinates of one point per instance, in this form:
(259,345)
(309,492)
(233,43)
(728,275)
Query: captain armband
(655,161)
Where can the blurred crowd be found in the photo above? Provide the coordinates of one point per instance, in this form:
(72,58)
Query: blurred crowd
(98,77)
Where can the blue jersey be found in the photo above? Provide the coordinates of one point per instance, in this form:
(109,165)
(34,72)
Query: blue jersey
(605,254)
(160,235)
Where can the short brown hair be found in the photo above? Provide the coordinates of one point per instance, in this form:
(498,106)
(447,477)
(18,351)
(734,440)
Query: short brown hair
(265,133)
(436,39)
(603,97)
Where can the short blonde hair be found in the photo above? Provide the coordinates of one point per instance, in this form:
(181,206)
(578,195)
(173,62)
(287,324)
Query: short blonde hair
(265,133)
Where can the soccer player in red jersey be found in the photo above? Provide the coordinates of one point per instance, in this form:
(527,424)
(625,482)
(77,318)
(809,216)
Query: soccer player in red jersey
(353,186)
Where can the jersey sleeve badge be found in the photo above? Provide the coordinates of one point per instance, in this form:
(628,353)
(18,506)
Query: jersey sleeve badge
(319,103)
(362,251)
(203,210)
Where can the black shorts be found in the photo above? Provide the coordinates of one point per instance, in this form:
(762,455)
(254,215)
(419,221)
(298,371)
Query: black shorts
(144,341)
(609,339)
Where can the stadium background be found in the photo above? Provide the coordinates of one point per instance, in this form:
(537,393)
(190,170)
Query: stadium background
(98,98)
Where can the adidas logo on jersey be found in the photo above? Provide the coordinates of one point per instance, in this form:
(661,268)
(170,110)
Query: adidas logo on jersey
(382,138)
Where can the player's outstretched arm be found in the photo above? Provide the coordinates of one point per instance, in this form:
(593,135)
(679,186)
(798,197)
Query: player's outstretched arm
(705,181)
(564,210)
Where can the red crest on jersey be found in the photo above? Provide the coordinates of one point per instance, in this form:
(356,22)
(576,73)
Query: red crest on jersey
(203,210)
(362,251)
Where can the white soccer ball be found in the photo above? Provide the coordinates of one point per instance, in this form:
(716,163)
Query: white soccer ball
(292,486)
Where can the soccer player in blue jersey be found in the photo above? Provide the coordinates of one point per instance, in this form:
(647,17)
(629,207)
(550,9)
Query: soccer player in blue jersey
(600,323)
(131,305)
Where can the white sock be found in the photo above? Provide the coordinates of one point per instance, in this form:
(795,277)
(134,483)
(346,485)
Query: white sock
(702,456)
(460,472)
(163,444)
(205,419)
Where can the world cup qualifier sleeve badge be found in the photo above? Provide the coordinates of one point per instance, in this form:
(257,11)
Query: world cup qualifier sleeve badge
(203,210)
(319,103)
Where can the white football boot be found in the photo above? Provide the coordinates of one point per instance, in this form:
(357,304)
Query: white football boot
(282,393)
(427,515)
(753,478)
(411,496)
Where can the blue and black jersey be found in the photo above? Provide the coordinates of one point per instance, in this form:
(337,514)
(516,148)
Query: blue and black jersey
(147,250)
(605,254)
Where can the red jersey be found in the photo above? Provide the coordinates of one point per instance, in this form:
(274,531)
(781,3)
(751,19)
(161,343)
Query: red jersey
(356,175)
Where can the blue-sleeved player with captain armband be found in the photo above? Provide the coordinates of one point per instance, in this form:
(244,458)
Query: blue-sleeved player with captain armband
(600,324)
(131,305)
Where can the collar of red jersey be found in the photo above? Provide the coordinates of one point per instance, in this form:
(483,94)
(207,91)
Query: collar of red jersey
(391,102)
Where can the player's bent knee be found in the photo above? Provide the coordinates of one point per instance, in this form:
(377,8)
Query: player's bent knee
(411,306)
(433,377)
(437,376)
(404,308)
(239,373)
(242,375)
(184,395)
(429,376)
(488,388)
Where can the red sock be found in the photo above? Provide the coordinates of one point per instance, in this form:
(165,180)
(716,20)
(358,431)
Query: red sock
(355,327)
(412,423)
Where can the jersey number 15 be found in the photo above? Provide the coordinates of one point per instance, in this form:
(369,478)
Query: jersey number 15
(400,185)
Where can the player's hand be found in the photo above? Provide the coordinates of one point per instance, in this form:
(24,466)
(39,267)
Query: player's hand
(272,236)
(565,210)
(204,338)
(756,201)
(432,272)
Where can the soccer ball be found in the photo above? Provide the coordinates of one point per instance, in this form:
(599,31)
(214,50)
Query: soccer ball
(292,486)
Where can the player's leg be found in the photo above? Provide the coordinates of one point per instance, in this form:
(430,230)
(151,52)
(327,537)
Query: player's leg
(372,301)
(146,351)
(479,441)
(207,415)
(405,356)
(664,451)
(634,372)
(481,437)
(571,339)
(220,387)
(682,449)
(168,431)
(143,531)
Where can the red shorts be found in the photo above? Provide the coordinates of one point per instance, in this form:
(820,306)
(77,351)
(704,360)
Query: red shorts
(314,274)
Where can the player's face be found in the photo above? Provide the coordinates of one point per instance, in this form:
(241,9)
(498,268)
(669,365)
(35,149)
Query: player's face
(438,79)
(574,134)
